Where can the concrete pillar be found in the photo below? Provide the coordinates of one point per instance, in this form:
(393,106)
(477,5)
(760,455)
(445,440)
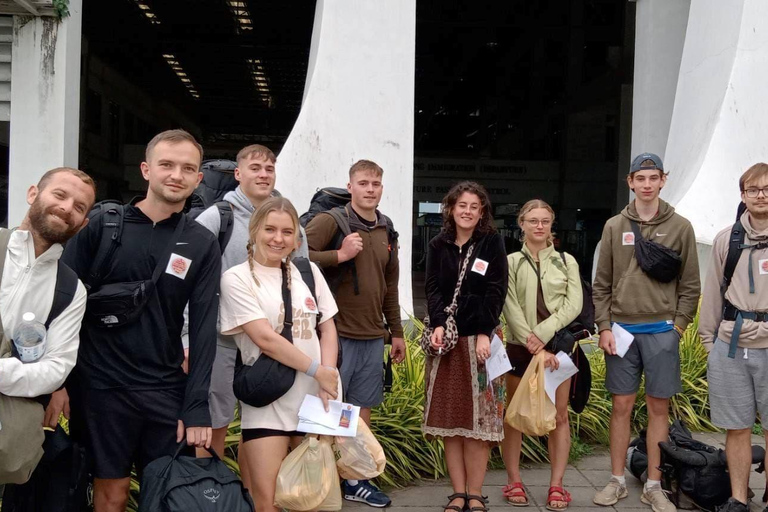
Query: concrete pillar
(45,101)
(660,28)
(358,103)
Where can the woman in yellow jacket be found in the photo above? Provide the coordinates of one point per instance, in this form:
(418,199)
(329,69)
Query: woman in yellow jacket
(544,295)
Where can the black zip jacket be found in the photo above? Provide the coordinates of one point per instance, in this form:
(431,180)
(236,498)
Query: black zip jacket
(147,354)
(481,297)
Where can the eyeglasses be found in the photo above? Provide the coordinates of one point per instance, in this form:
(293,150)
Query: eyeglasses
(754,192)
(536,222)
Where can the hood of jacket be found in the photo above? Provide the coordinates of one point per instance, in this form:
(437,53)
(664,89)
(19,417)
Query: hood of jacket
(239,201)
(751,232)
(666,211)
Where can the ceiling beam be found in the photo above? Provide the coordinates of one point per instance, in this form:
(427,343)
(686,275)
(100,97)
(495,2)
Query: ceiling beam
(26,4)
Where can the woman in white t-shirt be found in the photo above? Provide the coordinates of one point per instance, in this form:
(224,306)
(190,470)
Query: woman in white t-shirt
(252,311)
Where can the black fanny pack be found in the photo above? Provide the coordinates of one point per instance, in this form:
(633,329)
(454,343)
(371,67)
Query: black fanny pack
(658,261)
(118,304)
(266,380)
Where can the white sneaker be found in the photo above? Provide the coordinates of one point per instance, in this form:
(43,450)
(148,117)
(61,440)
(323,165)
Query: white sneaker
(611,494)
(657,498)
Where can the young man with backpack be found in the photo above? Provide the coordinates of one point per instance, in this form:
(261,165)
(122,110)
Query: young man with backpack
(143,262)
(734,331)
(362,269)
(647,282)
(228,219)
(36,282)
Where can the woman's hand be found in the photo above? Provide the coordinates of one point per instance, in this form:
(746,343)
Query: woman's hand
(534,344)
(551,361)
(483,347)
(437,338)
(328,378)
(325,397)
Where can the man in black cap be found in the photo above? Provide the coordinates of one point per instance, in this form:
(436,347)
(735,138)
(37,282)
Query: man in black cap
(655,309)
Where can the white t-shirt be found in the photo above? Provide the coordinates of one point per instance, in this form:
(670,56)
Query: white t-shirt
(243,301)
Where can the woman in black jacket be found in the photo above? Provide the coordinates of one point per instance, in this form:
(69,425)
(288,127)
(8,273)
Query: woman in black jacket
(462,406)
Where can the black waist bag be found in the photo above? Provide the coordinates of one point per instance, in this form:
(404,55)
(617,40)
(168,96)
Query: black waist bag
(265,381)
(658,261)
(188,484)
(118,304)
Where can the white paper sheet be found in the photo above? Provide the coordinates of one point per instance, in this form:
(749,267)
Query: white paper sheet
(340,420)
(553,379)
(623,339)
(498,363)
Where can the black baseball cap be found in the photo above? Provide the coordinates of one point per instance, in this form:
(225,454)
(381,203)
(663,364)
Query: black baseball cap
(637,163)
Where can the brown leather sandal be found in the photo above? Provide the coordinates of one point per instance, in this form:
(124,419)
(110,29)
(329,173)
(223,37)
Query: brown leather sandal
(455,496)
(481,499)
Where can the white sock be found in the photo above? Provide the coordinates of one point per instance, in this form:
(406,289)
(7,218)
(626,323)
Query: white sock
(352,482)
(652,483)
(620,479)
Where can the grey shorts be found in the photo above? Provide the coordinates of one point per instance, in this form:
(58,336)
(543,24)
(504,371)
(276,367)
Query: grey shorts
(656,355)
(738,388)
(362,371)
(221,398)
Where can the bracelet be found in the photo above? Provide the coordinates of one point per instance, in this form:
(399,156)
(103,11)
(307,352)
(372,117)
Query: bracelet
(313,366)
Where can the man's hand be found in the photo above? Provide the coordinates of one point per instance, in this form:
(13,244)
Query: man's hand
(436,340)
(196,436)
(534,344)
(59,404)
(607,342)
(185,364)
(397,352)
(351,245)
(483,347)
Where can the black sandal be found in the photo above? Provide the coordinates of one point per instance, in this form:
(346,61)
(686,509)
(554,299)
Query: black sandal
(481,499)
(456,507)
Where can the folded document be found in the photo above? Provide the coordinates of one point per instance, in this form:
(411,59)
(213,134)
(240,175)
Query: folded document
(340,419)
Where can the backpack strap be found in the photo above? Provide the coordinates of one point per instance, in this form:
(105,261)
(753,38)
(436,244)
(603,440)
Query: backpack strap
(341,216)
(562,255)
(226,223)
(111,236)
(64,292)
(636,230)
(735,246)
(309,279)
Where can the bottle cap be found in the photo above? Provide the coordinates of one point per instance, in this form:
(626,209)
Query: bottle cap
(28,317)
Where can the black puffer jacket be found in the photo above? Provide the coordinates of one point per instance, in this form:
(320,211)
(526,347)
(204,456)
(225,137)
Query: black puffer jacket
(482,296)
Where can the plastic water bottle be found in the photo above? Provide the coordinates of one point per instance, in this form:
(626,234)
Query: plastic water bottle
(30,339)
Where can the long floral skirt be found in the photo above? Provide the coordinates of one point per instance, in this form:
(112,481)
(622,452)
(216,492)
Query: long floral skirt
(459,399)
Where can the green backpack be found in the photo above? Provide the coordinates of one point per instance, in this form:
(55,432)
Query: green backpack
(21,419)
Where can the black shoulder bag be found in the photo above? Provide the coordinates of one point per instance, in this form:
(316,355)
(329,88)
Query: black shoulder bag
(658,261)
(119,304)
(267,380)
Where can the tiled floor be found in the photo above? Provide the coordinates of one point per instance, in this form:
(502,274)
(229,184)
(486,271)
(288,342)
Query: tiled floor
(581,480)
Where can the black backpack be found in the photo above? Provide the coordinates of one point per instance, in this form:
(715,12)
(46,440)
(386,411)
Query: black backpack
(735,246)
(586,319)
(59,482)
(332,201)
(179,483)
(218,179)
(695,470)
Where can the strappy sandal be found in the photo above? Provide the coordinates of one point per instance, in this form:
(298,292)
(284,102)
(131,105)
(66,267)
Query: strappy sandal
(516,490)
(456,507)
(481,499)
(565,497)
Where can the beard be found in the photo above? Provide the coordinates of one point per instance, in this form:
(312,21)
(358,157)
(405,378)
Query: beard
(43,225)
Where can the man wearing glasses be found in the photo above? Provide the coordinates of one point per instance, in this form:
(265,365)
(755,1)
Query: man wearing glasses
(734,331)
(656,313)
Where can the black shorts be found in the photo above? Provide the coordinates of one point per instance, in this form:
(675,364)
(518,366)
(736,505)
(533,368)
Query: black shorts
(126,427)
(519,358)
(249,434)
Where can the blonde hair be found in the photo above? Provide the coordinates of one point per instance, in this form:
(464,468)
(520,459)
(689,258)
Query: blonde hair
(273,204)
(255,150)
(366,166)
(526,209)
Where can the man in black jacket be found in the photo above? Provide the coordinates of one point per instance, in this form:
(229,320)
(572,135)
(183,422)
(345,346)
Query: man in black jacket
(134,401)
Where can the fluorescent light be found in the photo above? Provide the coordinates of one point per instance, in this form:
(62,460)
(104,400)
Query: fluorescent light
(179,71)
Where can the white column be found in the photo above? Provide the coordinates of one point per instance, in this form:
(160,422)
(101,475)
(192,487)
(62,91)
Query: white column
(718,127)
(358,104)
(45,101)
(659,37)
